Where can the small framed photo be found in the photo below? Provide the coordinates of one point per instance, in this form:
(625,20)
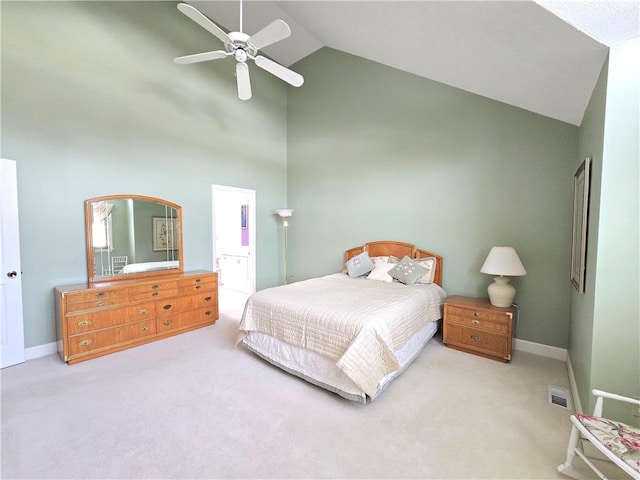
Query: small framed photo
(165,233)
(580,223)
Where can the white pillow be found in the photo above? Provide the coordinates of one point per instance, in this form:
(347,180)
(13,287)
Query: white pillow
(381,272)
(430,264)
(381,259)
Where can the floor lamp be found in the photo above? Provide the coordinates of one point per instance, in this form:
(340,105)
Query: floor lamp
(285,213)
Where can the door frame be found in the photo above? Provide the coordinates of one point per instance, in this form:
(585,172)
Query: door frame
(216,191)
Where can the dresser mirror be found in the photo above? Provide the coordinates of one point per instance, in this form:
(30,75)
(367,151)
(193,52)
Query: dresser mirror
(130,236)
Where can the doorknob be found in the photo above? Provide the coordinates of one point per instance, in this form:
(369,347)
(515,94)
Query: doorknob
(12,274)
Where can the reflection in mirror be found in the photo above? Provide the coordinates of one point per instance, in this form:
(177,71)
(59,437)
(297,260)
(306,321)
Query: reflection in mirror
(132,235)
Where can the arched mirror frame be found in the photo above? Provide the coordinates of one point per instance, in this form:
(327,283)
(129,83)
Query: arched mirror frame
(88,214)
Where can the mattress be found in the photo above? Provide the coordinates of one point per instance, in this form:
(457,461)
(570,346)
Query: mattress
(322,371)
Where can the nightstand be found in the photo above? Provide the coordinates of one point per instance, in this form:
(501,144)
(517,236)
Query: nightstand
(474,325)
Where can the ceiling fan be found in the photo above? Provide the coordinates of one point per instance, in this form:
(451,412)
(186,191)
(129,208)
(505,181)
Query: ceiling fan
(242,47)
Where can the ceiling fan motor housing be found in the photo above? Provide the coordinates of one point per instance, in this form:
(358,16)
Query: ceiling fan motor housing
(240,46)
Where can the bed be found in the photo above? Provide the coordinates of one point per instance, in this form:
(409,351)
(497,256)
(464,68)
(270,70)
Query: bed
(149,266)
(351,333)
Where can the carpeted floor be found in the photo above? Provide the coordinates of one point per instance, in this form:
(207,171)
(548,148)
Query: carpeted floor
(193,406)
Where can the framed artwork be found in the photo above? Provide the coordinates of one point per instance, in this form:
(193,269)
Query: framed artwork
(165,233)
(244,209)
(580,220)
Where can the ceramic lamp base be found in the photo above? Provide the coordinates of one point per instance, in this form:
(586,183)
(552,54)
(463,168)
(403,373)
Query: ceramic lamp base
(501,293)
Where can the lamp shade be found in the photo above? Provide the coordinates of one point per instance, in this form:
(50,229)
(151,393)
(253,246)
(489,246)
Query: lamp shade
(503,261)
(284,212)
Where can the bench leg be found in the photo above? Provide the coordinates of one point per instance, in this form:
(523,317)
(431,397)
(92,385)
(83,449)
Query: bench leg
(567,467)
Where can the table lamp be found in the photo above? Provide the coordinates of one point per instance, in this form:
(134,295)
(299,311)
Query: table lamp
(502,261)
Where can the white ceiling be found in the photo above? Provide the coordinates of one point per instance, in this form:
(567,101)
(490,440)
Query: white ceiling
(516,52)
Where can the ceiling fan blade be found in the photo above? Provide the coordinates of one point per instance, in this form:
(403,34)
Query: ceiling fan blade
(272,33)
(201,57)
(244,83)
(279,71)
(203,21)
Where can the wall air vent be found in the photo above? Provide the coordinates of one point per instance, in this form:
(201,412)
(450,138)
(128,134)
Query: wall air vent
(559,396)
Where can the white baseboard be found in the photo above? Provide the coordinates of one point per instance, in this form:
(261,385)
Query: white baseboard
(40,350)
(540,349)
(577,406)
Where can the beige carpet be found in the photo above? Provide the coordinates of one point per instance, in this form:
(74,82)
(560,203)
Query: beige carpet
(192,406)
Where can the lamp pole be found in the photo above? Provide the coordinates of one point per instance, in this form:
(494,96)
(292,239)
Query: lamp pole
(285,213)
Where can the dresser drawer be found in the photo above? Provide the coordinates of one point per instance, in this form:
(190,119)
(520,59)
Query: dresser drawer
(97,294)
(96,304)
(150,291)
(86,322)
(478,340)
(174,305)
(187,319)
(198,283)
(110,337)
(205,299)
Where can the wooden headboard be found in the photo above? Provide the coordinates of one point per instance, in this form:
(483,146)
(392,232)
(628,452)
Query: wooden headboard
(397,249)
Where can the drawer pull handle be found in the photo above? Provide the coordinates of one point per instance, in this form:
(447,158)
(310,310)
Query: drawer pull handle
(155,294)
(100,294)
(85,343)
(475,338)
(143,311)
(167,322)
(475,322)
(100,303)
(84,323)
(206,299)
(208,312)
(198,287)
(167,306)
(475,314)
(155,287)
(198,280)
(144,328)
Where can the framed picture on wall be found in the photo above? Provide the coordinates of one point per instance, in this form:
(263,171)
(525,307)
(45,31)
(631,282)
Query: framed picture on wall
(244,209)
(165,233)
(580,221)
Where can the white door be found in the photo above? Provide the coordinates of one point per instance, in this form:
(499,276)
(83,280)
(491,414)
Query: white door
(12,334)
(234,234)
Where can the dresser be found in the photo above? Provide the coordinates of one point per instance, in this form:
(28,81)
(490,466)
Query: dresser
(474,325)
(101,318)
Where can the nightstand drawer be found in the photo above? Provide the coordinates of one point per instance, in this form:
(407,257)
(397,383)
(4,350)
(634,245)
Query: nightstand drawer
(482,342)
(491,322)
(478,314)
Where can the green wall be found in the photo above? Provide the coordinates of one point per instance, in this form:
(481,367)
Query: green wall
(92,104)
(605,321)
(616,312)
(591,138)
(378,154)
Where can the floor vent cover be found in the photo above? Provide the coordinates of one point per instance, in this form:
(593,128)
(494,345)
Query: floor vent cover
(559,396)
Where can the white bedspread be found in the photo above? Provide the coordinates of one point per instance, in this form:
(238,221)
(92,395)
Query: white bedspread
(149,266)
(356,322)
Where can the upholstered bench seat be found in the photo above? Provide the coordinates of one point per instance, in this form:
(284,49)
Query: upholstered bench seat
(623,440)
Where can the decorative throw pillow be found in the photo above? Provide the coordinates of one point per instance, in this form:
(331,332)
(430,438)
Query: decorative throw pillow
(380,259)
(407,271)
(381,272)
(430,264)
(359,265)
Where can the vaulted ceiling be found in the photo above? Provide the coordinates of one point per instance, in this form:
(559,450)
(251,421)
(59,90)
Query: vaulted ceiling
(544,57)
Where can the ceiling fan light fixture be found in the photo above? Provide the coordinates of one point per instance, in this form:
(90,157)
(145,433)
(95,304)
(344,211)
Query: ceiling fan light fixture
(242,47)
